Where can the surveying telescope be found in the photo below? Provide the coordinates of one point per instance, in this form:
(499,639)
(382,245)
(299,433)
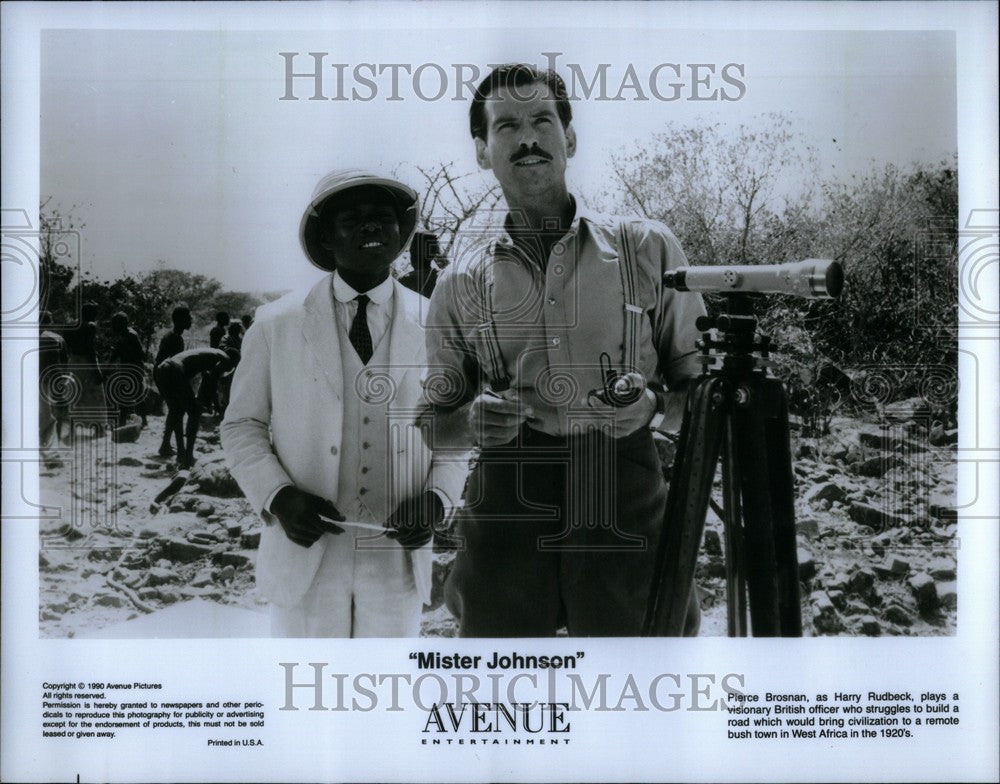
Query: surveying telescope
(737,414)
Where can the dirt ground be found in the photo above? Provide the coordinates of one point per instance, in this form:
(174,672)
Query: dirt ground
(874,512)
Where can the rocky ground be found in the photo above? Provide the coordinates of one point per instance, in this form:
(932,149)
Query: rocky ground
(874,510)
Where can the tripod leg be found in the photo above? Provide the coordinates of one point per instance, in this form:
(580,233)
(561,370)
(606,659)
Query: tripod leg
(758,536)
(732,521)
(687,503)
(782,506)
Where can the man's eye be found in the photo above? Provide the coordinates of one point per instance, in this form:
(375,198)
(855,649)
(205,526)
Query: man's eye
(544,120)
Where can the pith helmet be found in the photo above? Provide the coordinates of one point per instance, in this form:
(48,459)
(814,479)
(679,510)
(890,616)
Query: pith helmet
(337,182)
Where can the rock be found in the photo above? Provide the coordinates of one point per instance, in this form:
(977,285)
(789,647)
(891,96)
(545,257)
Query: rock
(856,607)
(869,625)
(925,590)
(805,449)
(109,600)
(713,544)
(146,533)
(942,511)
(204,509)
(203,536)
(48,615)
(878,466)
(893,566)
(807,526)
(149,593)
(157,575)
(130,462)
(43,561)
(715,567)
(129,432)
(227,574)
(203,578)
(887,443)
(213,478)
(838,598)
(235,558)
(233,530)
(168,595)
(867,514)
(178,549)
(838,581)
(825,491)
(250,540)
(948,595)
(59,608)
(899,615)
(861,582)
(826,619)
(807,566)
(909,410)
(176,483)
(838,453)
(942,569)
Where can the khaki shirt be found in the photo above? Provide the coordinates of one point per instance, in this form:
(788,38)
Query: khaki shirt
(551,327)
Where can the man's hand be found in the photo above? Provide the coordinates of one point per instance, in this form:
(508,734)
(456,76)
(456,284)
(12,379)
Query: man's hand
(412,524)
(628,419)
(299,511)
(494,421)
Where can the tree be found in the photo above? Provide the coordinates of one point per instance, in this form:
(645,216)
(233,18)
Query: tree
(451,201)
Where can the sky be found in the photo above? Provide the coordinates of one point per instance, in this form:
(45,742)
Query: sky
(173,146)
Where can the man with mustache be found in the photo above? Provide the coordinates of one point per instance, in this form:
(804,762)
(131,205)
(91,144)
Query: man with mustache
(565,503)
(320,430)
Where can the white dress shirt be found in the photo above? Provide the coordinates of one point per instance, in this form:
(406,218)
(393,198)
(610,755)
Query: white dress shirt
(379,308)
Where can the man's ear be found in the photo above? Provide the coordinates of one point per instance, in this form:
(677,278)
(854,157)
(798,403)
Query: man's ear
(482,156)
(570,141)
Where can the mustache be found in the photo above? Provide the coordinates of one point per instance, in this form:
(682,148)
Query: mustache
(524,152)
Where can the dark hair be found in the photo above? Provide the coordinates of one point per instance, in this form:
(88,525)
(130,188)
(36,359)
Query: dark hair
(514,75)
(180,313)
(424,249)
(119,319)
(88,311)
(222,318)
(235,327)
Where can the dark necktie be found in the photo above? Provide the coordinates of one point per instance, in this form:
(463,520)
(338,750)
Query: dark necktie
(360,335)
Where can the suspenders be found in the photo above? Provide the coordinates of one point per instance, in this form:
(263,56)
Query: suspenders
(496,372)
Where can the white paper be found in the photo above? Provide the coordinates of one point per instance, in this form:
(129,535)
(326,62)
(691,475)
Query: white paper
(164,127)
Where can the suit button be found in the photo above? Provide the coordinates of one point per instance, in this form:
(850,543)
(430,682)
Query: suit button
(366,420)
(364,469)
(362,491)
(365,445)
(333,450)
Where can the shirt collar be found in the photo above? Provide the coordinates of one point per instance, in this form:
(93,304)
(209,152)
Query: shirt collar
(580,213)
(345,292)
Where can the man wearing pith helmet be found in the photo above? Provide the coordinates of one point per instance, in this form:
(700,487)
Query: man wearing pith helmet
(551,337)
(320,431)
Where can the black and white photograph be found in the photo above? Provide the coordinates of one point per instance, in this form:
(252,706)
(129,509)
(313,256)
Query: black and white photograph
(635,351)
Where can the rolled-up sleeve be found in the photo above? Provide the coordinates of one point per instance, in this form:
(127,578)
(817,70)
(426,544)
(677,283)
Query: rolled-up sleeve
(674,328)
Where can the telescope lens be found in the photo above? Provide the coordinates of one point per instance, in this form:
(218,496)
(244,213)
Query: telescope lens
(834,279)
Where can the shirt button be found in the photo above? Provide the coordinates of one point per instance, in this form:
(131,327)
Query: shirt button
(555,341)
(365,445)
(364,469)
(366,420)
(552,300)
(362,491)
(333,450)
(558,269)
(558,248)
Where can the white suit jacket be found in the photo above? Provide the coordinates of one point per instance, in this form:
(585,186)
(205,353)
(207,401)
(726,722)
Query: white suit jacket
(284,424)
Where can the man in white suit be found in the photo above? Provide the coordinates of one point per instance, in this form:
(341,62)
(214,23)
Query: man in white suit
(321,427)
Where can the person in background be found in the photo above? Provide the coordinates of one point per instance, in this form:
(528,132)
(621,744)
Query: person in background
(217,332)
(234,336)
(127,352)
(174,378)
(53,357)
(425,252)
(246,319)
(173,342)
(90,407)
